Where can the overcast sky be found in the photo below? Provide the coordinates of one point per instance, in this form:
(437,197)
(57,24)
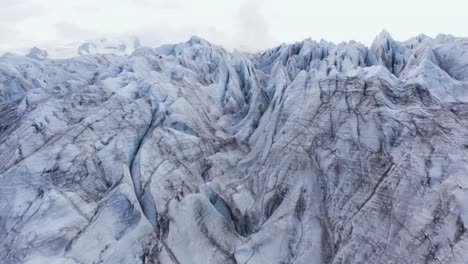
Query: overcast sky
(243,24)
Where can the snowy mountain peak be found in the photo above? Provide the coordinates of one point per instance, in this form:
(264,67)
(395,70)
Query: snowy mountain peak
(196,40)
(37,54)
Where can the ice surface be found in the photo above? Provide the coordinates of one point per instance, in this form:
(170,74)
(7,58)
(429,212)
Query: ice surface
(312,152)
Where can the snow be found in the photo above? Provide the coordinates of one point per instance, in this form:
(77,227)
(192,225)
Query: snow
(312,152)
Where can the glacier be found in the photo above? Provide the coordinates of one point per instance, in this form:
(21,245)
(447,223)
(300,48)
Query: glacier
(312,152)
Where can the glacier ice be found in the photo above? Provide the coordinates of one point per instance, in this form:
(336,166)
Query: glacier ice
(312,152)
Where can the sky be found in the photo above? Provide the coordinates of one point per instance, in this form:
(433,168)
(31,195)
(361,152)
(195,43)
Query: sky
(248,25)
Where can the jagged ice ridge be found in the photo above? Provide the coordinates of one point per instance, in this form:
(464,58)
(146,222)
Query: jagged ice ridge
(313,152)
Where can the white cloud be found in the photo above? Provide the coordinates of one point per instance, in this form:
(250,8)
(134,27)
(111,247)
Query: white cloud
(13,11)
(243,24)
(160,4)
(68,32)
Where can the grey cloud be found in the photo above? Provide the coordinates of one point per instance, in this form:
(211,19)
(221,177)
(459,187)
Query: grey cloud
(69,31)
(8,36)
(253,28)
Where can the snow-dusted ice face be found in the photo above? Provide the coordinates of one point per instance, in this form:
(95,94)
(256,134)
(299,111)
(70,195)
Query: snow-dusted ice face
(306,153)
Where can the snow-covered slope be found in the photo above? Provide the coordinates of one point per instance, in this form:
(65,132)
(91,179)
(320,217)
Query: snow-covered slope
(37,54)
(306,153)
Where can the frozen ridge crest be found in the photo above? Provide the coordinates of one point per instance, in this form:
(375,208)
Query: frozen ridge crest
(311,152)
